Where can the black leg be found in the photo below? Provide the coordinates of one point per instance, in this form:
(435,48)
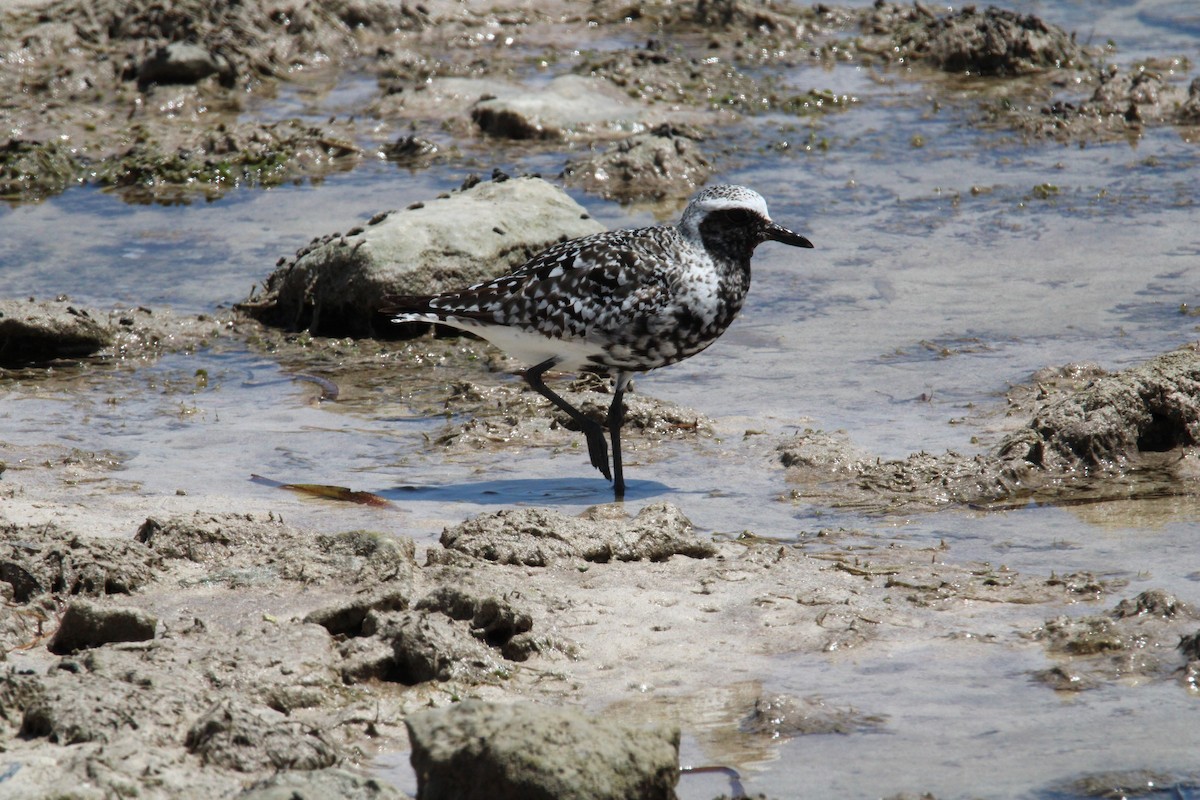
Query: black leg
(616,418)
(597,447)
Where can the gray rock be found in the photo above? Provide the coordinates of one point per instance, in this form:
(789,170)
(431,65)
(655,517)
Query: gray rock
(230,544)
(85,624)
(346,619)
(1152,407)
(33,170)
(511,414)
(566,106)
(337,285)
(1136,640)
(1114,425)
(1189,645)
(72,711)
(493,619)
(249,739)
(477,750)
(32,332)
(993,41)
(183,62)
(40,559)
(412,647)
(1154,603)
(320,784)
(1117,783)
(1189,110)
(430,647)
(784,716)
(536,536)
(368,658)
(666,162)
(452,634)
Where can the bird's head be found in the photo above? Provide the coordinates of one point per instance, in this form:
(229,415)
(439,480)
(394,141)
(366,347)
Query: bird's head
(732,221)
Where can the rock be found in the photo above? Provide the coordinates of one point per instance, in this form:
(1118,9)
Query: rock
(347,619)
(994,41)
(823,453)
(233,546)
(183,62)
(680,82)
(176,165)
(41,559)
(1154,603)
(537,537)
(513,415)
(1098,101)
(204,539)
(412,647)
(320,784)
(1065,679)
(34,170)
(475,750)
(1117,783)
(446,100)
(117,718)
(249,739)
(493,619)
(1135,640)
(368,659)
(784,716)
(337,285)
(1122,102)
(752,16)
(86,624)
(383,16)
(1189,111)
(32,332)
(67,713)
(128,766)
(452,634)
(1189,645)
(568,105)
(648,166)
(1108,427)
(101,61)
(1152,407)
(429,647)
(411,151)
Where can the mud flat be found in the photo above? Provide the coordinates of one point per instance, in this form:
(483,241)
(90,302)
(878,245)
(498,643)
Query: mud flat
(184,646)
(234,654)
(163,104)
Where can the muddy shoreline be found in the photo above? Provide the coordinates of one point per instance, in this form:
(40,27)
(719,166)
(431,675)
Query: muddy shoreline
(159,104)
(170,647)
(207,651)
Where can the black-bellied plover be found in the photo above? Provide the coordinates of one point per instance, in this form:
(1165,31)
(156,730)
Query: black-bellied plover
(617,302)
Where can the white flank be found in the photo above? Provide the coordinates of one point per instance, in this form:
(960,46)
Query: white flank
(530,348)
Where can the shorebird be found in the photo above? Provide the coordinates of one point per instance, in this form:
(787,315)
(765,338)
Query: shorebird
(616,303)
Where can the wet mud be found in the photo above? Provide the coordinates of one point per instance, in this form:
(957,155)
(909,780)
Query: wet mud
(209,649)
(159,102)
(230,654)
(221,646)
(1077,434)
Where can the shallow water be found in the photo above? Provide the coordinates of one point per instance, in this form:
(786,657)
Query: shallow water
(922,302)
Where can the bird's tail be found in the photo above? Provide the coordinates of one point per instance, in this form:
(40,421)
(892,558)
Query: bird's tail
(410,308)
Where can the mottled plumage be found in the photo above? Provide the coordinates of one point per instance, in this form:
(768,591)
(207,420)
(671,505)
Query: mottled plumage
(617,302)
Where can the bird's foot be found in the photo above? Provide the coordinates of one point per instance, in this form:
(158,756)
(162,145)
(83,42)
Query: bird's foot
(598,450)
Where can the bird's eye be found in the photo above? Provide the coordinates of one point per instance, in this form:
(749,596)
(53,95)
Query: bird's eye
(740,217)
